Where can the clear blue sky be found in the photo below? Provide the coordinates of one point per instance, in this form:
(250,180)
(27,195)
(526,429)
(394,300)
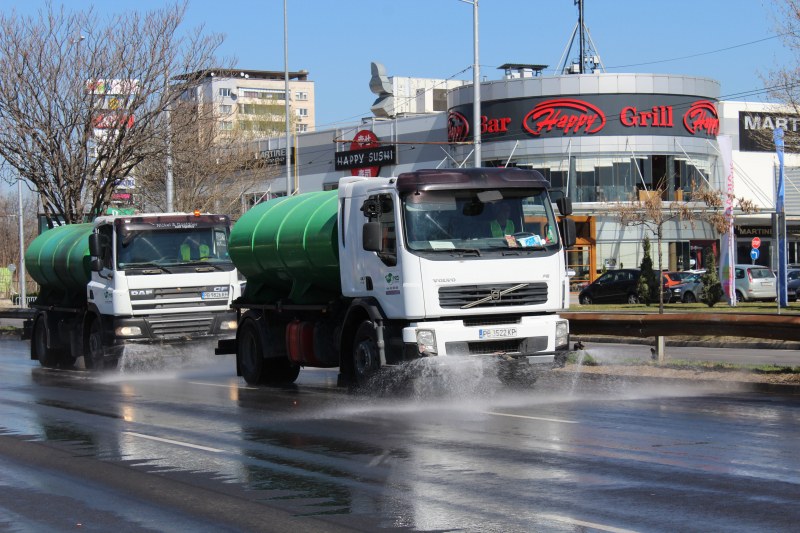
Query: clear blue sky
(335,40)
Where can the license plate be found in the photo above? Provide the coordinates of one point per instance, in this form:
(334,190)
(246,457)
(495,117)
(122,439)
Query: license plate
(768,284)
(497,333)
(213,295)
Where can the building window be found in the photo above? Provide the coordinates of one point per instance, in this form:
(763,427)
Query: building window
(301,95)
(302,112)
(225,109)
(301,128)
(264,94)
(225,125)
(224,91)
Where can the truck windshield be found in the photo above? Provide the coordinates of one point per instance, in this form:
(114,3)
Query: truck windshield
(173,247)
(480,221)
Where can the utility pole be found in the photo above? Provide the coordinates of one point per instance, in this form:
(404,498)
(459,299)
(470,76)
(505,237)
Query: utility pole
(288,118)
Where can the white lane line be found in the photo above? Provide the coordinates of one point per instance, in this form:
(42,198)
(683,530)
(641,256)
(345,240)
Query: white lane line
(593,525)
(175,442)
(531,417)
(223,386)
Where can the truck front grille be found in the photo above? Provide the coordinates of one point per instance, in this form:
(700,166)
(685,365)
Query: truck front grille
(180,325)
(457,297)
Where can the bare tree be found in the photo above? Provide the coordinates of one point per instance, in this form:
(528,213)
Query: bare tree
(83,100)
(652,213)
(211,168)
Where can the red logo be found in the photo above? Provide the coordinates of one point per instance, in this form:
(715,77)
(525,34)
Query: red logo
(365,139)
(702,116)
(457,127)
(567,115)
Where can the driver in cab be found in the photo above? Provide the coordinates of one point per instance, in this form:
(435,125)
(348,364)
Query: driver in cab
(501,225)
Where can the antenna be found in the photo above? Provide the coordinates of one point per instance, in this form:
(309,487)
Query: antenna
(588,58)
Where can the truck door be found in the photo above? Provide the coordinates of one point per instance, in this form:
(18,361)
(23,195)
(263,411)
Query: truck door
(378,270)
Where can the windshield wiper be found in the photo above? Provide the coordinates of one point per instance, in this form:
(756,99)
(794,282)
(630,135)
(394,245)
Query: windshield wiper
(203,266)
(461,251)
(156,269)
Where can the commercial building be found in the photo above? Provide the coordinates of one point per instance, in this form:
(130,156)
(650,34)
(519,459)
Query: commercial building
(604,139)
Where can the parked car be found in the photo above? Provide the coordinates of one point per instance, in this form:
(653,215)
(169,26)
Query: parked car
(690,291)
(615,286)
(754,282)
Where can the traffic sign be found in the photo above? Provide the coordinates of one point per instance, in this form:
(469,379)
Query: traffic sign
(756,243)
(754,254)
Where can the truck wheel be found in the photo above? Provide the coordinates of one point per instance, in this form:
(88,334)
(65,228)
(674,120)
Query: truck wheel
(47,357)
(250,353)
(281,371)
(94,358)
(366,356)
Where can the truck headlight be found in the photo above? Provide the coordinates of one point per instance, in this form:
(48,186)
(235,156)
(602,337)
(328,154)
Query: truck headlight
(227,325)
(426,341)
(128,331)
(562,333)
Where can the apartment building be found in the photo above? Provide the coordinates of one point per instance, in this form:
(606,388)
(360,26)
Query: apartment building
(255,100)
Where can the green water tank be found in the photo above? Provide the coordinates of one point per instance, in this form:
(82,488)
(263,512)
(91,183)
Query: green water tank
(287,249)
(58,260)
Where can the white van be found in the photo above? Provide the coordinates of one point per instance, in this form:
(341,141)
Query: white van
(755,282)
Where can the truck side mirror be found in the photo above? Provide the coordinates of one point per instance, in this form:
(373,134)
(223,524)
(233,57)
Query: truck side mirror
(95,247)
(568,232)
(96,264)
(372,237)
(564,206)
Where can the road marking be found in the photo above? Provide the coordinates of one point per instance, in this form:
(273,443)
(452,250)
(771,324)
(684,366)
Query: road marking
(531,417)
(176,442)
(223,386)
(582,523)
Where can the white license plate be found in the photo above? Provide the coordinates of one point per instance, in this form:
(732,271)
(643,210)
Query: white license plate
(497,333)
(768,283)
(213,295)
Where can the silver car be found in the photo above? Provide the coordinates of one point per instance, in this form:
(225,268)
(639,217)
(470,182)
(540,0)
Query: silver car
(689,291)
(754,282)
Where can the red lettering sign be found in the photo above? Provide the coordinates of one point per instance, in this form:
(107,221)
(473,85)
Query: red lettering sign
(365,139)
(494,125)
(658,117)
(112,120)
(567,115)
(702,116)
(457,127)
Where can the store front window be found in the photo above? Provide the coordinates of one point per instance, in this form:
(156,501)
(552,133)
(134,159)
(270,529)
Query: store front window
(618,179)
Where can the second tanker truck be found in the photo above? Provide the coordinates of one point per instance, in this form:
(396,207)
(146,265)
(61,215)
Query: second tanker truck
(130,279)
(432,263)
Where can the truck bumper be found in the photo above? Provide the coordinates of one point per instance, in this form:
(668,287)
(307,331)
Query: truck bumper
(538,340)
(173,328)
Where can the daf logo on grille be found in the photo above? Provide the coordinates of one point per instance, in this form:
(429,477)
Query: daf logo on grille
(496,294)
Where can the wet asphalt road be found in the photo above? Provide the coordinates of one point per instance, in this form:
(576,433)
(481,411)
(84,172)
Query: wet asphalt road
(185,445)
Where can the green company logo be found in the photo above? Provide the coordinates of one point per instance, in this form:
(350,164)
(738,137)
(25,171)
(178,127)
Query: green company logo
(389,277)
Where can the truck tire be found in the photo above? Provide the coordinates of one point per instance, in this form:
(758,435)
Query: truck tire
(47,357)
(256,366)
(366,356)
(250,353)
(94,358)
(281,371)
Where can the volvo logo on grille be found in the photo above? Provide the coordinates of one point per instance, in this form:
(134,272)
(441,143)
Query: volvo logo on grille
(494,295)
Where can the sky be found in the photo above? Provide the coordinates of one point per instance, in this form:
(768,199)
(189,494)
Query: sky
(731,41)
